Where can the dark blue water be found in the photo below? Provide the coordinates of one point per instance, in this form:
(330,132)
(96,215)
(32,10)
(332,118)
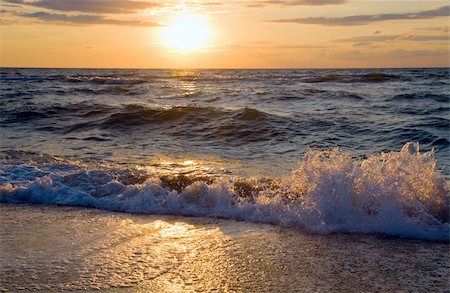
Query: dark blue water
(199,125)
(255,116)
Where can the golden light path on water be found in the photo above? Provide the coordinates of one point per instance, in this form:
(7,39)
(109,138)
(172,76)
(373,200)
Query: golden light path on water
(63,248)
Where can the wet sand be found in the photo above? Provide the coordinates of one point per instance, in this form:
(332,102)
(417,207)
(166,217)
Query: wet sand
(49,248)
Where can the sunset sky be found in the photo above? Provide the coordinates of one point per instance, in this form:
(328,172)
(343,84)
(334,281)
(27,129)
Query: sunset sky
(223,34)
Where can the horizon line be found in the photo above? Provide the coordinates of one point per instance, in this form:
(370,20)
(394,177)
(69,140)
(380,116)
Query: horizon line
(220,68)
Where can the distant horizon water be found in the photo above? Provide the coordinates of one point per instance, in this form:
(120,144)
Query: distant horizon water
(225,68)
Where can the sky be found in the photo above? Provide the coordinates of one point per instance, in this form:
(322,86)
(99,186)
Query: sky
(224,34)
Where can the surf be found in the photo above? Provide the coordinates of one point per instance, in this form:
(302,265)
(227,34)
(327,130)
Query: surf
(398,193)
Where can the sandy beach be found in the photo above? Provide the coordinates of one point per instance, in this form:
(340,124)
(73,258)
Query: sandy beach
(53,248)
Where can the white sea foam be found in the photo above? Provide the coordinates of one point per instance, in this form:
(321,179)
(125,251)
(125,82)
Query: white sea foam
(396,193)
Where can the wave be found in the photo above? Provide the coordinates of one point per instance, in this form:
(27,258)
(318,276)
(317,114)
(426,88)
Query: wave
(108,79)
(445,98)
(397,193)
(351,78)
(134,115)
(214,124)
(35,111)
(320,94)
(245,124)
(104,79)
(432,122)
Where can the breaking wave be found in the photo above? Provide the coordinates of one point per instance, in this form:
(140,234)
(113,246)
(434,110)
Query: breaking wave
(396,193)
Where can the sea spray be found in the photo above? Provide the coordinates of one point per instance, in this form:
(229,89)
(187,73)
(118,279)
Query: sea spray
(398,193)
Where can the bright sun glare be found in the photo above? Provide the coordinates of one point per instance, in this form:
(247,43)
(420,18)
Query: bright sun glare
(187,33)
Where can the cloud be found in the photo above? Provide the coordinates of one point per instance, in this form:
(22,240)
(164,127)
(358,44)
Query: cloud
(375,38)
(444,29)
(84,19)
(266,45)
(397,53)
(426,38)
(418,53)
(90,6)
(366,19)
(265,3)
(206,3)
(10,5)
(384,38)
(300,47)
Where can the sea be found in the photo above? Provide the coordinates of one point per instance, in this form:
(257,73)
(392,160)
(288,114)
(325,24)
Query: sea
(148,180)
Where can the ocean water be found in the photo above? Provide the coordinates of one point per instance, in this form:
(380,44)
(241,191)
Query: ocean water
(353,151)
(293,177)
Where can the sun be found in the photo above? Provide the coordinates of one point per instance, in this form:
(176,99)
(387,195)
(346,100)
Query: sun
(187,33)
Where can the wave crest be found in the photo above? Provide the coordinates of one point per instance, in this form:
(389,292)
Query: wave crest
(380,191)
(243,125)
